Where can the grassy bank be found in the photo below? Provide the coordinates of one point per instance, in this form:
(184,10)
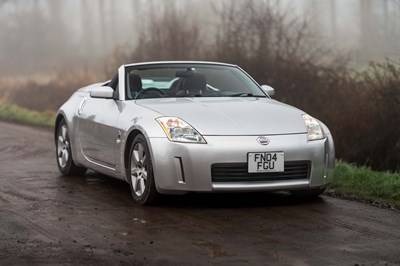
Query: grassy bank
(12,112)
(361,183)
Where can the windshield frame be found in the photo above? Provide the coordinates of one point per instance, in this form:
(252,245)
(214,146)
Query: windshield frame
(154,65)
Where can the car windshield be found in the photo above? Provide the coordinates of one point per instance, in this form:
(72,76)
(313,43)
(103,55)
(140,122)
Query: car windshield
(189,80)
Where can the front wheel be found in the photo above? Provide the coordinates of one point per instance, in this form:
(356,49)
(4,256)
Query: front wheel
(140,172)
(65,162)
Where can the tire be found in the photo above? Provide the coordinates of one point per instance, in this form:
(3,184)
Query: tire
(140,173)
(308,193)
(64,158)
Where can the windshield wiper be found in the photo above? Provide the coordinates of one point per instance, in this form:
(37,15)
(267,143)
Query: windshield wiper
(188,95)
(244,94)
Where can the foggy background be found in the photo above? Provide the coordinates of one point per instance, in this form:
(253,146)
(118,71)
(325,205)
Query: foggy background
(338,60)
(39,36)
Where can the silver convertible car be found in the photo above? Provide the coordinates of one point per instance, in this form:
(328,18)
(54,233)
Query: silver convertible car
(178,127)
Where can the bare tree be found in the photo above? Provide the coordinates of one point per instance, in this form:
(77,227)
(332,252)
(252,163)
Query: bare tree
(87,27)
(103,21)
(333,15)
(169,36)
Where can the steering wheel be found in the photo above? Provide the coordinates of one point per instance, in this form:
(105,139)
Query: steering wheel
(149,90)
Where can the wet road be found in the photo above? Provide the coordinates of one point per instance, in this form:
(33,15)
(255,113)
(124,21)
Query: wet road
(48,219)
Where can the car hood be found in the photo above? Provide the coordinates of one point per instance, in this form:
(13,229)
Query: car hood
(231,116)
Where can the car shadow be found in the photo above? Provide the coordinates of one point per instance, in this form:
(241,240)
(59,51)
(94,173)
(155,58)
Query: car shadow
(99,185)
(235,200)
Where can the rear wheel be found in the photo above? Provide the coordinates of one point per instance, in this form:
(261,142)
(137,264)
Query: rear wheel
(65,162)
(140,172)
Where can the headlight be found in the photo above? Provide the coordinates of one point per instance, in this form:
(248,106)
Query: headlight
(314,129)
(178,130)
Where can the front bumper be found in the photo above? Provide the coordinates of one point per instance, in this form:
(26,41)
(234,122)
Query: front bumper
(184,167)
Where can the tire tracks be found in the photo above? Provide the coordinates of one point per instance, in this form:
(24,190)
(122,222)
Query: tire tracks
(362,229)
(29,225)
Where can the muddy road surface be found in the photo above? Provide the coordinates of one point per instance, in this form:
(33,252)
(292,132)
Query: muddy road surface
(91,219)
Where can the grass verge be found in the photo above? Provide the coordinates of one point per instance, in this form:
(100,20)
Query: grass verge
(12,112)
(361,183)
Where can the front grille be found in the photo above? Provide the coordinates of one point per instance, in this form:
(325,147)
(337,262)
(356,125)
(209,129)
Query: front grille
(236,172)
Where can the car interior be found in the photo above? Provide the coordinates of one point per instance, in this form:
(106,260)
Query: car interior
(186,84)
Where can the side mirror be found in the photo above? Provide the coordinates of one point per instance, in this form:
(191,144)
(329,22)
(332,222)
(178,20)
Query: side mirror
(268,90)
(104,92)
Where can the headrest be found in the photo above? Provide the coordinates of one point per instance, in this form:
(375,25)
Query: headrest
(135,82)
(195,82)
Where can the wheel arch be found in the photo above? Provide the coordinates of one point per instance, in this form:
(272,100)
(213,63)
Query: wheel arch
(129,141)
(59,118)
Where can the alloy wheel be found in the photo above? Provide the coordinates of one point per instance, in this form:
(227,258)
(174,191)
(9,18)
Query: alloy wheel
(63,146)
(138,169)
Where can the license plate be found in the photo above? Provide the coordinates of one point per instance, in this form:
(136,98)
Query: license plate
(265,162)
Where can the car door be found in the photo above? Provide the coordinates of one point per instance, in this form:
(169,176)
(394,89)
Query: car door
(97,130)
